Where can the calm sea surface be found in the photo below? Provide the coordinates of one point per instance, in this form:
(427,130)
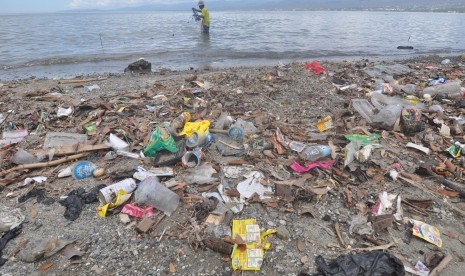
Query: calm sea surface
(65,44)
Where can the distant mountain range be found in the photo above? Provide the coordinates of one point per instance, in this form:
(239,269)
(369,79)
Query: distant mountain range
(458,5)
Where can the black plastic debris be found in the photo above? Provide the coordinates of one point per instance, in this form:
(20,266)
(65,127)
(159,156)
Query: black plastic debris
(375,263)
(76,199)
(39,194)
(5,239)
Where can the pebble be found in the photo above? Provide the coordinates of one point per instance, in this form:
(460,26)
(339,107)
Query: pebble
(272,224)
(282,232)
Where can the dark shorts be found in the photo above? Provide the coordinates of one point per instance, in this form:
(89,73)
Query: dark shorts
(205,29)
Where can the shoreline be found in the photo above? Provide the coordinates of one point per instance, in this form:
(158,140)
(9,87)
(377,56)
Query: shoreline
(116,67)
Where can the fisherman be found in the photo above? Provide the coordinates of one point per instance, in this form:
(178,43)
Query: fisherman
(205,15)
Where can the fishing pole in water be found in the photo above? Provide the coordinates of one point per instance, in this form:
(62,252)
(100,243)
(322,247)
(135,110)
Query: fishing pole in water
(195,14)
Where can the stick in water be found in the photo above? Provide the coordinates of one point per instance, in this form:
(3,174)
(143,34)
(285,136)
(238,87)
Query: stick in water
(101,42)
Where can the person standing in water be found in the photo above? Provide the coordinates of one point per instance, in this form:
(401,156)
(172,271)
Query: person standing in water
(205,15)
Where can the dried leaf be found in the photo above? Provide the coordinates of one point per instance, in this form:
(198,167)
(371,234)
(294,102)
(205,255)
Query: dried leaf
(71,251)
(348,197)
(454,235)
(45,266)
(448,193)
(382,222)
(420,203)
(172,268)
(301,246)
(338,232)
(270,203)
(32,212)
(308,210)
(284,191)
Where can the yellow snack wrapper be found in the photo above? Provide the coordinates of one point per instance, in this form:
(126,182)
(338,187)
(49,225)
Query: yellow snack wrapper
(121,198)
(325,124)
(191,127)
(250,256)
(427,232)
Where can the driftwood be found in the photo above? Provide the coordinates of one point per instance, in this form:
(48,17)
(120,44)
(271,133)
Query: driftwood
(73,149)
(440,267)
(426,190)
(43,164)
(218,245)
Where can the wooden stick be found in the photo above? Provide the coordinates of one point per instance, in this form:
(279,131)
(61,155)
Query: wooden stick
(445,261)
(81,81)
(379,247)
(275,102)
(220,131)
(44,164)
(426,190)
(229,145)
(338,232)
(415,208)
(373,241)
(74,149)
(4,119)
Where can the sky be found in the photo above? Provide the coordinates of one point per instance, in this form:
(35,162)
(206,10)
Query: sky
(28,6)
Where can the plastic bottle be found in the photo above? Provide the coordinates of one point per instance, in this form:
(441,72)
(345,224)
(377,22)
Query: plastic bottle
(379,86)
(151,192)
(406,88)
(451,89)
(181,120)
(82,170)
(388,115)
(313,153)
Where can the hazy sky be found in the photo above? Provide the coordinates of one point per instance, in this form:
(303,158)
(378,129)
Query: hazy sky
(26,6)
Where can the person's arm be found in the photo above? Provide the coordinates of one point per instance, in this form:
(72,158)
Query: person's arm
(197,10)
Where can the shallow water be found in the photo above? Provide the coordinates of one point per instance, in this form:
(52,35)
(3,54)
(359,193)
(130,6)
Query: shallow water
(59,44)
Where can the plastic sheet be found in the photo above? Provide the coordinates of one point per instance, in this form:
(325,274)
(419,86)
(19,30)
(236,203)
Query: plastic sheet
(315,66)
(375,263)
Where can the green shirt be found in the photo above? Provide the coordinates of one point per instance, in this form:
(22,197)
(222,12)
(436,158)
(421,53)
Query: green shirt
(206,17)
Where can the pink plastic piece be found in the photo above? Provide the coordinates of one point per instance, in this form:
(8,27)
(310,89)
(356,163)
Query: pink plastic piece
(315,66)
(136,211)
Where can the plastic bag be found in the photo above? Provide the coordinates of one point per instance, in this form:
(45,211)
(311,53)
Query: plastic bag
(116,143)
(160,140)
(191,127)
(363,264)
(315,66)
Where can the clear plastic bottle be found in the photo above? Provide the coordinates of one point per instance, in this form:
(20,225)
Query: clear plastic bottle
(313,153)
(388,115)
(452,90)
(379,86)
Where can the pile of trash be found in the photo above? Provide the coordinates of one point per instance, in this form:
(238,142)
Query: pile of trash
(212,153)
